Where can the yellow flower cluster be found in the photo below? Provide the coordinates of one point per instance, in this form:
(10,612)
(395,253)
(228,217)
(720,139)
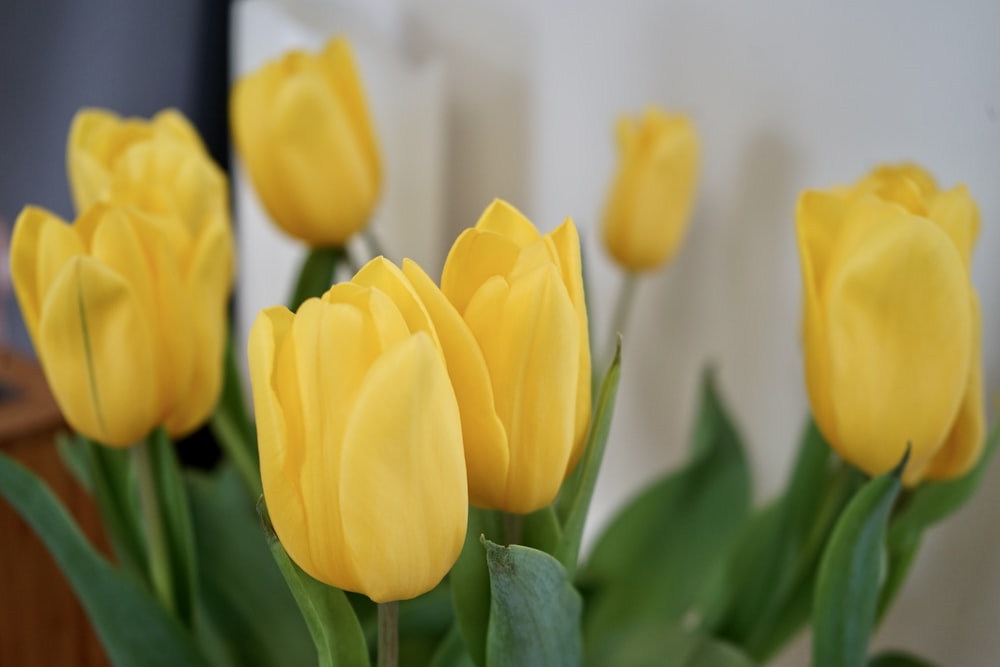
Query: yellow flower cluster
(126,306)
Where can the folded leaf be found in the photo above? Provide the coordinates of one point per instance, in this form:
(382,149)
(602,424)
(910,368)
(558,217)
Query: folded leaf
(534,610)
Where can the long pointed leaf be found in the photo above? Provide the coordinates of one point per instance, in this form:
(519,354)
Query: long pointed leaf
(470,583)
(133,628)
(847,585)
(569,546)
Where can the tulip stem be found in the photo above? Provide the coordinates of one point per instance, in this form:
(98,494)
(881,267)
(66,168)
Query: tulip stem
(319,269)
(152,519)
(388,634)
(623,307)
(513,528)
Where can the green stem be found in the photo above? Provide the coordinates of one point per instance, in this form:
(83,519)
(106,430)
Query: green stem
(513,528)
(388,634)
(623,307)
(232,427)
(317,274)
(152,517)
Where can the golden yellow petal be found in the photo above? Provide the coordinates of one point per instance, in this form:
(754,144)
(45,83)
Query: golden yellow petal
(475,257)
(957,214)
(502,218)
(564,244)
(485,439)
(965,442)
(385,276)
(339,67)
(41,245)
(895,304)
(99,354)
(279,434)
(529,337)
(402,480)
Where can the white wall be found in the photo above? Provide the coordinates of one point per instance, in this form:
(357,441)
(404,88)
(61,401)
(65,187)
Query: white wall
(786,95)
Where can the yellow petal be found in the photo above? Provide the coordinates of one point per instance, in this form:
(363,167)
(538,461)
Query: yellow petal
(279,442)
(475,257)
(383,275)
(342,74)
(402,483)
(502,218)
(895,303)
(957,214)
(964,444)
(335,344)
(96,137)
(325,180)
(207,289)
(529,338)
(564,244)
(41,245)
(172,124)
(107,391)
(486,454)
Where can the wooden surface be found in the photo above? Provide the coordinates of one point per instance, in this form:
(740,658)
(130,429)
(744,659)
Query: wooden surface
(41,622)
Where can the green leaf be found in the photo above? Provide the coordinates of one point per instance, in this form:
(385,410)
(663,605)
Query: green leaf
(317,274)
(451,651)
(232,426)
(470,582)
(898,659)
(600,425)
(542,530)
(663,553)
(658,643)
(243,596)
(534,610)
(847,585)
(774,565)
(133,628)
(327,612)
(74,457)
(175,519)
(921,508)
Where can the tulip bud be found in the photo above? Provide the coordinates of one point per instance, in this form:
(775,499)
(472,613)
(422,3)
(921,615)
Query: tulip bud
(100,140)
(360,437)
(302,129)
(518,354)
(649,206)
(891,323)
(127,313)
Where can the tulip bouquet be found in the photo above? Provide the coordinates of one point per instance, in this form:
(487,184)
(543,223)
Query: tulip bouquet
(414,484)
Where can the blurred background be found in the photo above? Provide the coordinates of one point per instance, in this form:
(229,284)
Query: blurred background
(477,100)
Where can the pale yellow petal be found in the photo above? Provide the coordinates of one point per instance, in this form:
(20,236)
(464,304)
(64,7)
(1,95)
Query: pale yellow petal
(957,214)
(403,456)
(98,354)
(385,276)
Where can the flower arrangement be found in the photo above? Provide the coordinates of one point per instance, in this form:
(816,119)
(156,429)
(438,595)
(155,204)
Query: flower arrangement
(414,484)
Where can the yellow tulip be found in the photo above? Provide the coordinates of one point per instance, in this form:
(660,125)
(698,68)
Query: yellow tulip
(100,140)
(360,437)
(891,322)
(649,207)
(127,312)
(518,354)
(302,129)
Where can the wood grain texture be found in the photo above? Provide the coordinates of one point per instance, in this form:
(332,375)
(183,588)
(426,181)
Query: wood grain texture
(41,622)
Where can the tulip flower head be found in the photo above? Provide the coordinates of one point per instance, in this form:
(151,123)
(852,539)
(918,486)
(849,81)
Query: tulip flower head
(127,306)
(891,322)
(649,206)
(303,132)
(360,437)
(519,356)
